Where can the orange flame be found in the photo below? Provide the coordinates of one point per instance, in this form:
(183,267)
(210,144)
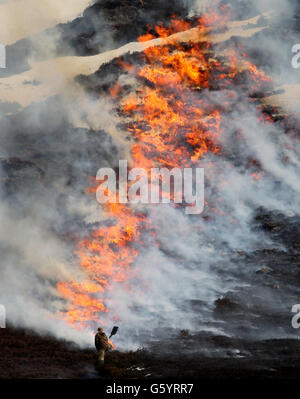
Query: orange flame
(171,126)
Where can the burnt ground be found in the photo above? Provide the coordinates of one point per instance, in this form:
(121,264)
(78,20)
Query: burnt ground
(187,355)
(28,356)
(109,24)
(105,25)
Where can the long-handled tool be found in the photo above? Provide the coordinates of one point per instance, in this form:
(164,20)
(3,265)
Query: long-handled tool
(114,331)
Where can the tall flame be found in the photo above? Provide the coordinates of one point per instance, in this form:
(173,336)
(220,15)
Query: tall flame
(170,126)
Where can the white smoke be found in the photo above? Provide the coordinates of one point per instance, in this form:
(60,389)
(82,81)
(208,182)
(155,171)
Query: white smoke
(194,260)
(258,6)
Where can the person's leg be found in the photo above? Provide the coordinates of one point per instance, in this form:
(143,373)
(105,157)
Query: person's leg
(101,354)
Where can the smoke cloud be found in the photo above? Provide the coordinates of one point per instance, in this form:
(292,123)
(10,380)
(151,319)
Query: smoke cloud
(55,136)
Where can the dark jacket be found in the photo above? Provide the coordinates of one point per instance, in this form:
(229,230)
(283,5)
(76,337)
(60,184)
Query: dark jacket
(101,341)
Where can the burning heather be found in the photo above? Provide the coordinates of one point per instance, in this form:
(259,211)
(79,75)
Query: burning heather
(195,89)
(178,102)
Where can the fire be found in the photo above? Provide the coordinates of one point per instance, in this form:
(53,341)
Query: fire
(170,126)
(112,346)
(105,256)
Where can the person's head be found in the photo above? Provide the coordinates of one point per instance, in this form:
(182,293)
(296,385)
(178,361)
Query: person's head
(100,329)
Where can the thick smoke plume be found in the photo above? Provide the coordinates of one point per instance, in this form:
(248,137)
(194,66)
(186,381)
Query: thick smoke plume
(55,135)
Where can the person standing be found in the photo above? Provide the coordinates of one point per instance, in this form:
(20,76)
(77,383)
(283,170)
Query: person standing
(102,345)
